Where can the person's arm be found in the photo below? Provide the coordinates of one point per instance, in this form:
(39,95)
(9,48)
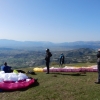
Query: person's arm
(50,54)
(46,57)
(9,69)
(98,55)
(2,68)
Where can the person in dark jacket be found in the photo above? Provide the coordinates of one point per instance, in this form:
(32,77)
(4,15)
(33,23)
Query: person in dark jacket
(6,68)
(47,59)
(98,66)
(61,59)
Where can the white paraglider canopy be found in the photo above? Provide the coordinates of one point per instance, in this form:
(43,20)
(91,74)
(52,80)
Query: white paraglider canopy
(12,76)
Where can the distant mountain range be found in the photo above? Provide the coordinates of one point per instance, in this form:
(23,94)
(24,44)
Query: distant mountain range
(4,43)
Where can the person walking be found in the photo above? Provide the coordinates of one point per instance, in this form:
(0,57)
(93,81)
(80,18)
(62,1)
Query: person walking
(98,66)
(47,59)
(61,59)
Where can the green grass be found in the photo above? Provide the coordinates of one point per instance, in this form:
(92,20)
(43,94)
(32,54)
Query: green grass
(58,86)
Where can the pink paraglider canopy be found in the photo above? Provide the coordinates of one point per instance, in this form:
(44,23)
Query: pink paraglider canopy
(13,81)
(10,85)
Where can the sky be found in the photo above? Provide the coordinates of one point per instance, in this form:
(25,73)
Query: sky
(50,20)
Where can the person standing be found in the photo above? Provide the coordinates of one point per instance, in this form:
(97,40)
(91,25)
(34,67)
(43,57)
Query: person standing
(61,59)
(47,59)
(98,66)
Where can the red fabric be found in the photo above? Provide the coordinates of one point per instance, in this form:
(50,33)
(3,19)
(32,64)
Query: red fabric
(16,86)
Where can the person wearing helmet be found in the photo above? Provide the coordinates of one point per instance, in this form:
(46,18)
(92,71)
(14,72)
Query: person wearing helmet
(47,59)
(98,66)
(61,59)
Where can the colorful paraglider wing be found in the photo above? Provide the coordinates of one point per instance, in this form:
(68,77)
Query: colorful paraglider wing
(16,85)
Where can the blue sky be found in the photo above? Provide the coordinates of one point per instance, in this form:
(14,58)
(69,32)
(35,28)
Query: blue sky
(50,20)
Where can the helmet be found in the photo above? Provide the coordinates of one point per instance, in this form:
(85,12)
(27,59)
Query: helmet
(98,50)
(5,63)
(47,50)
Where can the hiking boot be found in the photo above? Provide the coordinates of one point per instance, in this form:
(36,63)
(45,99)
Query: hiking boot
(97,82)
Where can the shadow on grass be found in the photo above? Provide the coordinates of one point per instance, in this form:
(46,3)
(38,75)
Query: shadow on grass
(31,72)
(21,71)
(76,74)
(71,74)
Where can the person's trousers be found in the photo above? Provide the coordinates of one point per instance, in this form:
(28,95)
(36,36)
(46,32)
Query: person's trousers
(47,65)
(98,71)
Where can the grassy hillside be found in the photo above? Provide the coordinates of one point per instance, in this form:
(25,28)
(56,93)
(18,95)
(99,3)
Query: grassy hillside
(58,86)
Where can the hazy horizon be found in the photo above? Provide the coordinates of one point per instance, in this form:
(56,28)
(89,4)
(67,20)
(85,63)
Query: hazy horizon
(46,41)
